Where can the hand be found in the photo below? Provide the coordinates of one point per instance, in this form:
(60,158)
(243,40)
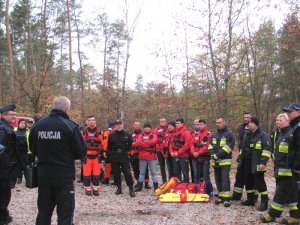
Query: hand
(297,171)
(196,154)
(262,166)
(104,155)
(176,154)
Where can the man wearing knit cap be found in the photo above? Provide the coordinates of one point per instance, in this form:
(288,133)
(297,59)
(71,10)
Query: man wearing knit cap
(255,152)
(8,160)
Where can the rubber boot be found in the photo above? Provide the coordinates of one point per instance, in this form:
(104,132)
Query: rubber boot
(139,187)
(155,186)
(236,196)
(267,218)
(131,192)
(290,221)
(147,186)
(255,197)
(250,200)
(119,190)
(105,181)
(264,203)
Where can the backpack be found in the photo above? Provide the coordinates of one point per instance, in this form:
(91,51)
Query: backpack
(205,187)
(183,188)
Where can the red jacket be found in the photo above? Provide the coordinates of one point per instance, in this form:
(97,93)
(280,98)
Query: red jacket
(160,132)
(167,142)
(180,142)
(134,149)
(146,145)
(199,143)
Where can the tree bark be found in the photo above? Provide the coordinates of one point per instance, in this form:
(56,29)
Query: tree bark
(70,53)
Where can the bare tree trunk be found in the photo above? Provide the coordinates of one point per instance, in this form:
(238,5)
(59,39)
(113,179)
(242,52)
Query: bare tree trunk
(70,53)
(186,86)
(10,55)
(104,60)
(81,70)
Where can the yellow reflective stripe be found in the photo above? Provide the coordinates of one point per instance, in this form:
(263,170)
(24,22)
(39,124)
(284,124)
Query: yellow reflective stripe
(241,152)
(258,145)
(227,149)
(214,141)
(223,142)
(264,193)
(277,206)
(293,206)
(225,194)
(285,172)
(225,162)
(256,192)
(27,140)
(210,147)
(266,153)
(238,190)
(283,147)
(250,191)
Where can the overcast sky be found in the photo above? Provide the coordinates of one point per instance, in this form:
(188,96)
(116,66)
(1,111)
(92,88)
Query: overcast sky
(160,31)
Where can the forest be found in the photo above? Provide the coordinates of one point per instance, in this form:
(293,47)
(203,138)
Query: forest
(228,63)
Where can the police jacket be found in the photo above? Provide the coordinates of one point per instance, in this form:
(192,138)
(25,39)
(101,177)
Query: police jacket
(294,145)
(180,142)
(221,146)
(57,142)
(146,145)
(119,144)
(160,132)
(8,158)
(257,145)
(200,142)
(281,149)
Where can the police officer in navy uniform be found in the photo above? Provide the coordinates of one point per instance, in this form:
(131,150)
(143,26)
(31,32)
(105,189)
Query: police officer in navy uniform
(119,144)
(8,160)
(57,143)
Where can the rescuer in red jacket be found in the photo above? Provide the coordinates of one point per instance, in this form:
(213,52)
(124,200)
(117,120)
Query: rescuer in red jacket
(166,144)
(161,155)
(199,149)
(91,163)
(180,150)
(147,155)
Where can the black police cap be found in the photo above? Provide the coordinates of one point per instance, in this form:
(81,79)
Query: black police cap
(8,108)
(292,107)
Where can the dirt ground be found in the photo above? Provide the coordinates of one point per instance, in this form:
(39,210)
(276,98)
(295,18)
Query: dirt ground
(145,208)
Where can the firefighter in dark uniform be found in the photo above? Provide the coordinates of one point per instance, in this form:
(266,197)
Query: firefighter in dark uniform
(119,144)
(220,150)
(57,143)
(285,193)
(239,176)
(256,152)
(8,160)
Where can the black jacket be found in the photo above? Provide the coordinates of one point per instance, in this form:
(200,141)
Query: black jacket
(57,142)
(294,145)
(8,159)
(119,144)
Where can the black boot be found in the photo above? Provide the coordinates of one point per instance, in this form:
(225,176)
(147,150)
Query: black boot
(19,180)
(155,185)
(131,192)
(264,203)
(147,186)
(236,196)
(119,190)
(250,200)
(139,187)
(105,181)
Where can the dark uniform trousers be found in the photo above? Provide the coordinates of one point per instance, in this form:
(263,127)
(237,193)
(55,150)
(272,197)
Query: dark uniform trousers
(181,165)
(123,166)
(223,181)
(170,166)
(285,194)
(56,191)
(5,196)
(162,165)
(260,185)
(239,180)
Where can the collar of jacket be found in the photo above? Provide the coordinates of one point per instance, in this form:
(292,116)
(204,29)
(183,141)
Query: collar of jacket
(57,112)
(137,131)
(285,129)
(181,129)
(223,130)
(5,122)
(295,121)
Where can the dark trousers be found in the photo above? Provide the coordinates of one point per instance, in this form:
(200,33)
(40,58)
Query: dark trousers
(201,170)
(239,179)
(135,165)
(117,167)
(285,194)
(223,181)
(5,196)
(170,167)
(181,165)
(260,185)
(55,192)
(162,165)
(23,157)
(248,177)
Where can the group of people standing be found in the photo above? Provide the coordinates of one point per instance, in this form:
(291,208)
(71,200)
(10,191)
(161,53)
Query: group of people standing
(57,142)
